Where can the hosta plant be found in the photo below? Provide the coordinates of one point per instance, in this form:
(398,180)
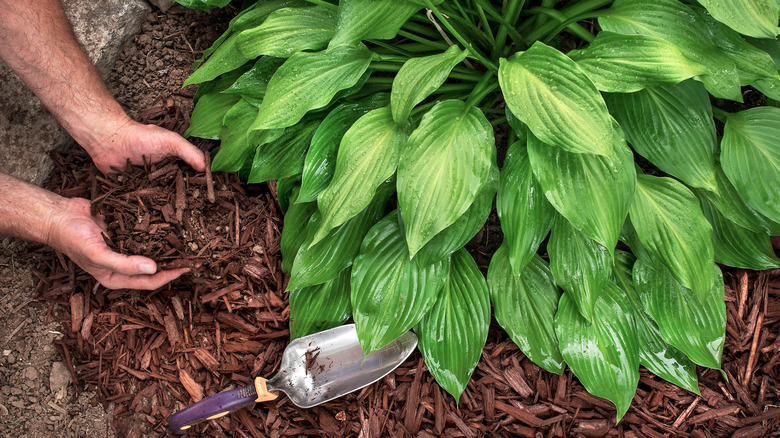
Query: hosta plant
(621,185)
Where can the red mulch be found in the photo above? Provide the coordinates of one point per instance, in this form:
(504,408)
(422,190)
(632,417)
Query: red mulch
(151,354)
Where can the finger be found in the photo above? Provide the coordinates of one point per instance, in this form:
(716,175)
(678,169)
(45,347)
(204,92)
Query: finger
(142,282)
(187,152)
(127,265)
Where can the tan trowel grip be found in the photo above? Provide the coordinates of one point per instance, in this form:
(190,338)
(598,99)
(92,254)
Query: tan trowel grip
(263,394)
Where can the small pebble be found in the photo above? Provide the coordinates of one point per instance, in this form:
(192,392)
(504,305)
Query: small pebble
(11,359)
(31,373)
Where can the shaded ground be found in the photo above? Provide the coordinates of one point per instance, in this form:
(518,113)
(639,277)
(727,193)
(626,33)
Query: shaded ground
(143,356)
(29,408)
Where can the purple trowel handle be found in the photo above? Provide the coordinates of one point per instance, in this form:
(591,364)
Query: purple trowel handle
(212,407)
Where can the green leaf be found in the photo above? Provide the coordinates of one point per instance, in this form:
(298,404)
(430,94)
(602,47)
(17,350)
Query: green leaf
(697,327)
(321,262)
(671,126)
(320,163)
(368,155)
(465,228)
(283,157)
(525,214)
(453,334)
(419,77)
(580,265)
(730,205)
(287,31)
(371,19)
(756,18)
(655,353)
(525,306)
(602,353)
(682,27)
(296,219)
(256,14)
(752,63)
(626,63)
(203,5)
(390,291)
(225,59)
(669,223)
(593,192)
(552,95)
(253,84)
(750,157)
(209,113)
(445,163)
(321,307)
(737,246)
(287,191)
(234,150)
(309,81)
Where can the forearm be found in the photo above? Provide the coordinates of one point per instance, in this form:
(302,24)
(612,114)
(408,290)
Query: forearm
(27,211)
(36,41)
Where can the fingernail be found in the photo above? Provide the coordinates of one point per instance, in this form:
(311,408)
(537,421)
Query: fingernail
(147,268)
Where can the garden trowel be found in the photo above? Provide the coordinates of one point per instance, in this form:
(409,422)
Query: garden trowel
(315,369)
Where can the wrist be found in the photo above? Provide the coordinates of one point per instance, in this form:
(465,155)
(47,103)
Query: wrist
(28,211)
(98,132)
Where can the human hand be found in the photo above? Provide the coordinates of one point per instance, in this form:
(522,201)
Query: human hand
(136,142)
(74,231)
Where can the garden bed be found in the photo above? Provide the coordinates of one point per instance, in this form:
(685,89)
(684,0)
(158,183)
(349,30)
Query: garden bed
(226,322)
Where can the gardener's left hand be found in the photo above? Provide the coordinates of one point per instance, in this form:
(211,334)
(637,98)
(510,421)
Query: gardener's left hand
(138,142)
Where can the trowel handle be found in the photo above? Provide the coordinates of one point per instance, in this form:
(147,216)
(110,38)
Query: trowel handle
(213,407)
(221,404)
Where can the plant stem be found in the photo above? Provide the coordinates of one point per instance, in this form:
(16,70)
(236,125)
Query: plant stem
(433,44)
(565,22)
(485,25)
(485,86)
(575,10)
(421,29)
(498,121)
(480,57)
(390,48)
(720,114)
(500,41)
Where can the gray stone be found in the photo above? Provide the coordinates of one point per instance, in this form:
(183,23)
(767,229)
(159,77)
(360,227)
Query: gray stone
(27,131)
(59,379)
(31,373)
(164,5)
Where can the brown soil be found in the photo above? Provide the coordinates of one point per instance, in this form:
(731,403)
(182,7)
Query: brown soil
(141,356)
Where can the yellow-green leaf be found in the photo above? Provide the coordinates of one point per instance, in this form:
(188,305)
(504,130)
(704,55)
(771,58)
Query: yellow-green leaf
(368,155)
(309,81)
(553,96)
(671,226)
(444,165)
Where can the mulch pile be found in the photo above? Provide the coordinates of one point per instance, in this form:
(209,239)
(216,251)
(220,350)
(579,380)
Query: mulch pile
(151,354)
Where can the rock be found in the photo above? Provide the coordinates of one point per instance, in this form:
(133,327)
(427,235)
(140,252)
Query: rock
(31,373)
(17,403)
(164,5)
(59,380)
(11,359)
(27,131)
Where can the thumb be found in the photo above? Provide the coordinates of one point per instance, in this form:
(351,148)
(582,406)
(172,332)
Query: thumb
(127,265)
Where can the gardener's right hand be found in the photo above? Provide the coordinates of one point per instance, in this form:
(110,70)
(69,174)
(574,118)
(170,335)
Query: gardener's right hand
(74,231)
